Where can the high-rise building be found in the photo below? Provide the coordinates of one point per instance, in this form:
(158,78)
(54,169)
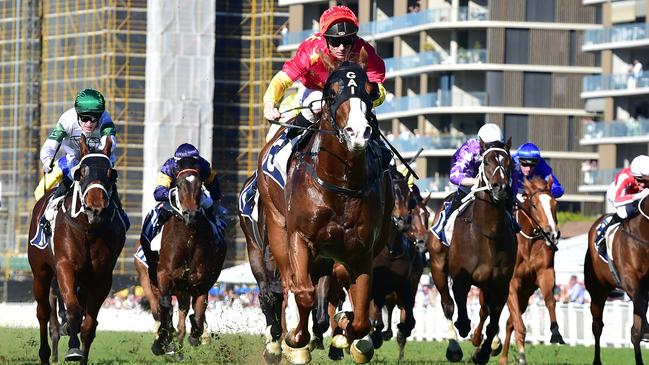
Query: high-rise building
(618,95)
(453,65)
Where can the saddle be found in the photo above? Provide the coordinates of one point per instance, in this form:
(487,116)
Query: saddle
(42,238)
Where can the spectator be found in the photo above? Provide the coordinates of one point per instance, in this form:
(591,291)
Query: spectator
(637,69)
(576,291)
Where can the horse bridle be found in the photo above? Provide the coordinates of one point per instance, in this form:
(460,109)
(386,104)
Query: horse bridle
(75,211)
(482,176)
(174,199)
(538,231)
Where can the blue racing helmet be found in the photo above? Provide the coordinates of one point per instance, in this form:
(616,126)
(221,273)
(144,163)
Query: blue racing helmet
(186,150)
(528,152)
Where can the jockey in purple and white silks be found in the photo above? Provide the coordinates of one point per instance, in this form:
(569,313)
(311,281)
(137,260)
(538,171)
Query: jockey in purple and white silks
(210,199)
(465,165)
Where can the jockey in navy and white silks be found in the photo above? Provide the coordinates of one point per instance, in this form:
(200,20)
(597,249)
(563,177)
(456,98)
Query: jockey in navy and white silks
(529,164)
(166,180)
(89,118)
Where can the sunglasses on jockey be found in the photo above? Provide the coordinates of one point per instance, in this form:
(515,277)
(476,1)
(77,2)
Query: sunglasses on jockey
(337,41)
(528,163)
(88,119)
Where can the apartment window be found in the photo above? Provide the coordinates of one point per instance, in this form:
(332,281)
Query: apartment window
(495,88)
(539,10)
(516,128)
(516,46)
(571,134)
(537,89)
(573,47)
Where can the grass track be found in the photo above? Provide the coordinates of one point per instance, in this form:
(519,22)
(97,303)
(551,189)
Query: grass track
(20,346)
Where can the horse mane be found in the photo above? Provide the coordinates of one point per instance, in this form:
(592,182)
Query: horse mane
(536,183)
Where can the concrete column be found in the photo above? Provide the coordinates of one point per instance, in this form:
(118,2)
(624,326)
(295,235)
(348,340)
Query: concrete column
(296,16)
(453,50)
(607,156)
(364,11)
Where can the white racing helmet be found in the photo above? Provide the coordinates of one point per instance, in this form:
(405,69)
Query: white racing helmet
(640,166)
(490,133)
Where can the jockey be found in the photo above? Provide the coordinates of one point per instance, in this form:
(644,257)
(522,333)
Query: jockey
(465,166)
(625,192)
(210,200)
(90,118)
(338,39)
(530,164)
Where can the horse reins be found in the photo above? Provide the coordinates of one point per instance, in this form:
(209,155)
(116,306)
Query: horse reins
(529,216)
(82,195)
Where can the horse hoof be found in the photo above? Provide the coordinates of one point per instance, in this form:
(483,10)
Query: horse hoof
(362,350)
(463,328)
(377,339)
(297,355)
(454,351)
(339,342)
(273,353)
(521,359)
(194,341)
(557,338)
(157,348)
(401,338)
(335,354)
(496,346)
(316,343)
(74,354)
(479,357)
(387,335)
(64,330)
(170,350)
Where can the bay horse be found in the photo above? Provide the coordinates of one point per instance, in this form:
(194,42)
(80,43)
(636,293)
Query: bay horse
(482,252)
(87,240)
(191,259)
(630,252)
(537,216)
(398,268)
(336,203)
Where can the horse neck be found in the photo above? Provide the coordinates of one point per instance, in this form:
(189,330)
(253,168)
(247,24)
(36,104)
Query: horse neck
(336,161)
(486,207)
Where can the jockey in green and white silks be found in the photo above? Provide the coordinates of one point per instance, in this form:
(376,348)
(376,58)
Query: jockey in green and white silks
(89,118)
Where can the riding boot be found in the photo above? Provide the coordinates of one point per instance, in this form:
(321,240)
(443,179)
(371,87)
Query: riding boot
(61,190)
(300,121)
(120,210)
(601,233)
(449,207)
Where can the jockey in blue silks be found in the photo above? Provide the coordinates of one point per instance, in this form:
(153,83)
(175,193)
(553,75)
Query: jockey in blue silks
(530,164)
(210,200)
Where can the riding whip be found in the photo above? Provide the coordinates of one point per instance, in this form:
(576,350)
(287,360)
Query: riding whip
(396,153)
(51,166)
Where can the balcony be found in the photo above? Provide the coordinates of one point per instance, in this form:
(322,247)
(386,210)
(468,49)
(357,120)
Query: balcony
(432,61)
(597,180)
(403,24)
(596,133)
(438,186)
(444,141)
(445,101)
(618,36)
(597,86)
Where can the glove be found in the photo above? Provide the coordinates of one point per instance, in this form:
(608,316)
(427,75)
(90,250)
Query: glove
(641,194)
(270,111)
(47,165)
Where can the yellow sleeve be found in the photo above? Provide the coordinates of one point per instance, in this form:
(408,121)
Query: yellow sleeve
(163,180)
(378,101)
(280,82)
(210,178)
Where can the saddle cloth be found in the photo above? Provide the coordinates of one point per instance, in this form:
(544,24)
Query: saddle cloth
(40,239)
(608,238)
(275,163)
(248,199)
(447,232)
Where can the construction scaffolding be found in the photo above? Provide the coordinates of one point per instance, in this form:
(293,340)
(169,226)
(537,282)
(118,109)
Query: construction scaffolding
(247,33)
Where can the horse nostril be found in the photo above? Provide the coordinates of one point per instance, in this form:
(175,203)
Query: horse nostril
(350,131)
(367,133)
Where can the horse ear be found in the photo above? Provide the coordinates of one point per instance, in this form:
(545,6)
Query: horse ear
(550,180)
(327,61)
(112,175)
(508,144)
(483,146)
(108,146)
(83,146)
(362,59)
(527,185)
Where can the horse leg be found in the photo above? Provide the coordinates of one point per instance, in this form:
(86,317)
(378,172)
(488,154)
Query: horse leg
(387,334)
(183,299)
(639,318)
(376,317)
(495,302)
(546,284)
(335,353)
(439,272)
(41,285)
(55,333)
(320,315)
(94,301)
(599,292)
(517,303)
(163,343)
(197,320)
(460,291)
(509,328)
(476,339)
(405,326)
(74,311)
(149,292)
(358,330)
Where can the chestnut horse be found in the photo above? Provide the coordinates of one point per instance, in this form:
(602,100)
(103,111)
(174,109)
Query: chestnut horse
(336,203)
(482,252)
(537,216)
(630,252)
(398,268)
(191,259)
(87,240)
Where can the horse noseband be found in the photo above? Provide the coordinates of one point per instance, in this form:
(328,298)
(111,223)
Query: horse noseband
(352,79)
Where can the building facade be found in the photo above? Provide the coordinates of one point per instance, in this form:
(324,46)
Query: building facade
(618,96)
(454,65)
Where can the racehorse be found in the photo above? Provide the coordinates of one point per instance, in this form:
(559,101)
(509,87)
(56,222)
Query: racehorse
(191,259)
(336,203)
(398,268)
(537,216)
(87,240)
(482,252)
(630,252)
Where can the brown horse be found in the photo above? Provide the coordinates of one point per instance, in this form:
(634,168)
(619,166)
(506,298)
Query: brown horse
(398,268)
(482,252)
(191,259)
(88,238)
(537,216)
(336,203)
(630,252)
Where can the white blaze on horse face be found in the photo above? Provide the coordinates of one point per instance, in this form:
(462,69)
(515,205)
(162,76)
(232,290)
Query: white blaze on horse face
(357,129)
(190,178)
(547,208)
